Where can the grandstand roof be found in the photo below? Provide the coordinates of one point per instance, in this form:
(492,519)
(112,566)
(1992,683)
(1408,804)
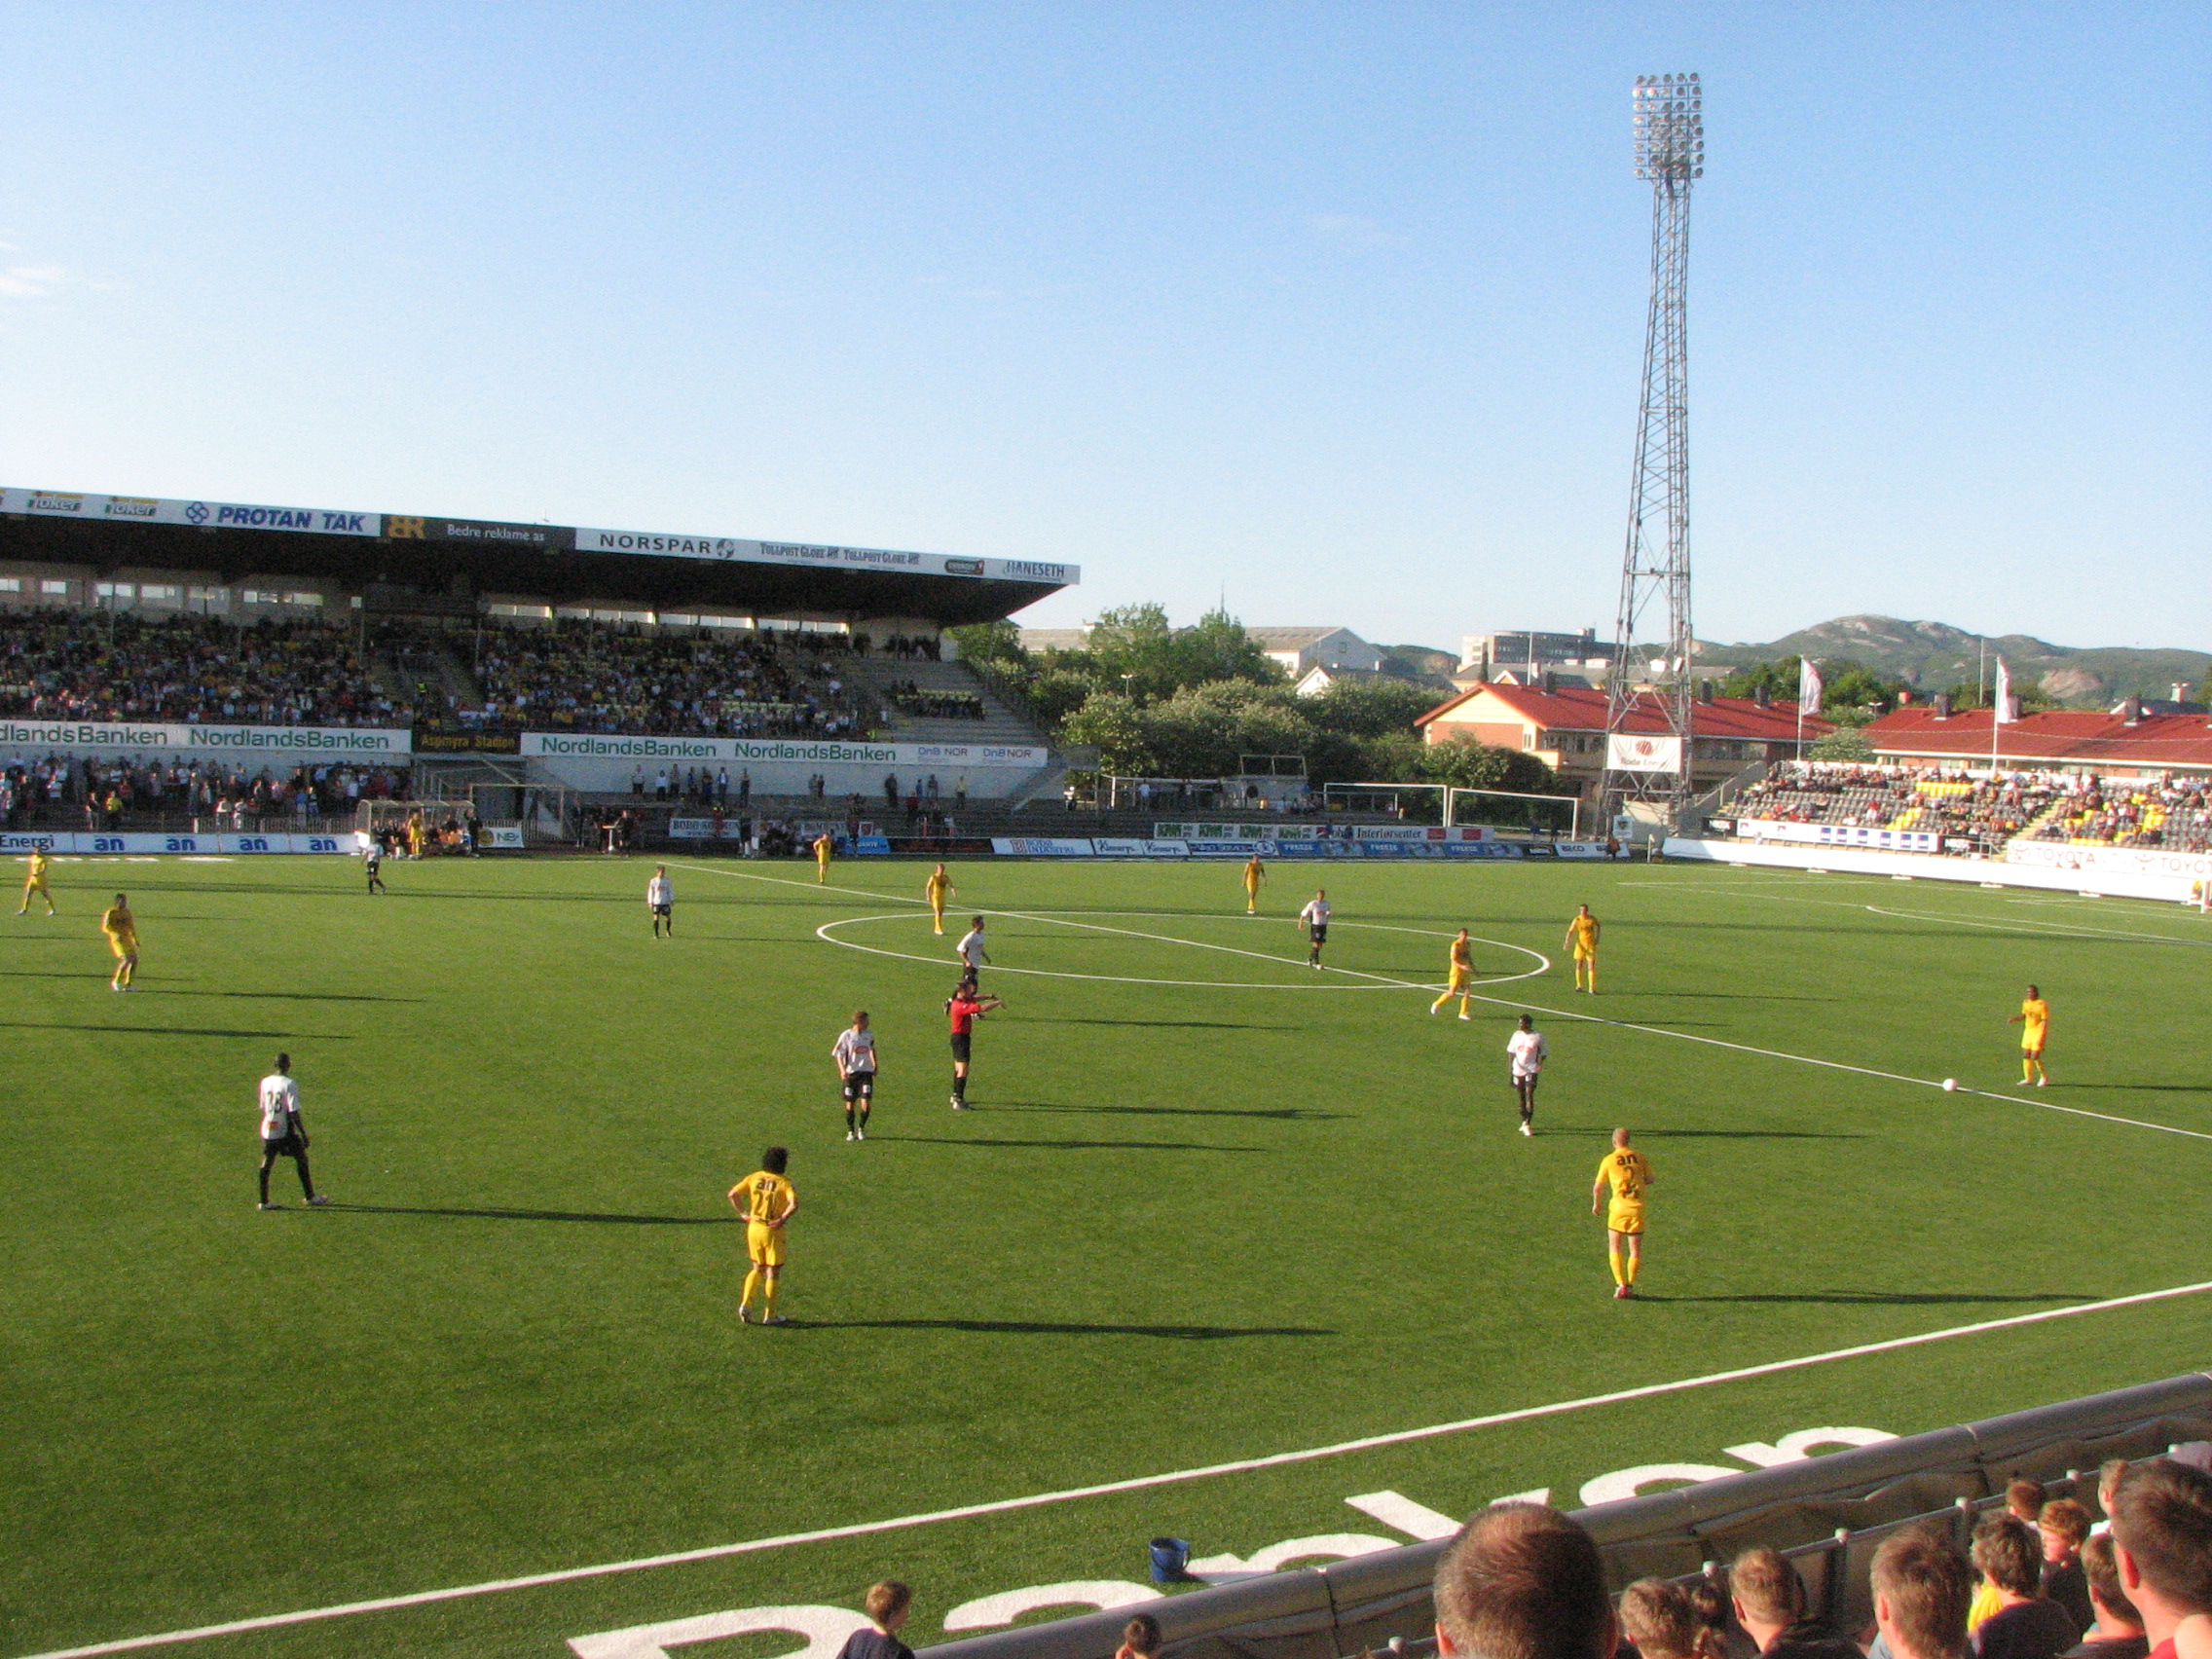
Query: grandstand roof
(561,563)
(2086,737)
(1582,708)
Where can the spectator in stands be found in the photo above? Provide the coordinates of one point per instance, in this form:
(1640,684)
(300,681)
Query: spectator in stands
(1663,1623)
(2026,1625)
(2118,1632)
(1522,1581)
(2064,1526)
(1769,1600)
(887,1604)
(1921,1591)
(2161,1534)
(1140,1638)
(1709,1599)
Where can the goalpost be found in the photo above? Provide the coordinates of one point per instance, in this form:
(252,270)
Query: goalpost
(1355,797)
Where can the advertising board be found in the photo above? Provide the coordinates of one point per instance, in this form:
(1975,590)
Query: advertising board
(97,844)
(319,742)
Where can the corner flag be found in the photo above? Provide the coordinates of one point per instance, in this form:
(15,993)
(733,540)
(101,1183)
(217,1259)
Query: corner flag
(1808,687)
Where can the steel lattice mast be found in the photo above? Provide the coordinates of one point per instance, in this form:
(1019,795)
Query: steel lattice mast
(1668,113)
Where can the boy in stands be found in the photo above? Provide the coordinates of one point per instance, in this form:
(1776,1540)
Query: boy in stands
(965,1006)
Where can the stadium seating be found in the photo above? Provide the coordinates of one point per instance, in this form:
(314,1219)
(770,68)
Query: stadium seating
(1988,811)
(2175,815)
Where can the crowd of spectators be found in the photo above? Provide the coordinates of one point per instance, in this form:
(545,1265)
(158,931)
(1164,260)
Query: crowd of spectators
(129,792)
(909,698)
(70,665)
(1984,811)
(2172,813)
(599,677)
(1523,1581)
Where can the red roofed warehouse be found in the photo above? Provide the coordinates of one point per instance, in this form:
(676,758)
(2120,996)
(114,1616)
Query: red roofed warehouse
(1564,727)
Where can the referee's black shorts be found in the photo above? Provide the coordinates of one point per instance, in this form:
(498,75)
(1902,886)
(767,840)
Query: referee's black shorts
(960,1047)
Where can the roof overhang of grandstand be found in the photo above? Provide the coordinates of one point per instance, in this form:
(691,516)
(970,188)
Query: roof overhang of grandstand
(558,562)
(2061,737)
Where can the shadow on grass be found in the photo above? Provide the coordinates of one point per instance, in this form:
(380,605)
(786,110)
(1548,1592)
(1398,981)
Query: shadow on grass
(1706,1134)
(287,996)
(1878,1297)
(1280,1114)
(543,1215)
(2121,1087)
(1047,1328)
(179,1031)
(1067,1145)
(1186,1024)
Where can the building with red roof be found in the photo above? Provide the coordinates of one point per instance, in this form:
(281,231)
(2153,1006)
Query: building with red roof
(2123,742)
(1563,725)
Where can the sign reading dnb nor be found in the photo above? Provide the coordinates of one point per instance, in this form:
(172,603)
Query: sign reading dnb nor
(336,742)
(212,515)
(826,557)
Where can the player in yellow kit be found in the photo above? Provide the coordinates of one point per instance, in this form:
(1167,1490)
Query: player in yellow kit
(1582,939)
(1255,873)
(2034,1021)
(122,929)
(1463,972)
(823,846)
(34,881)
(1625,1170)
(767,1203)
(937,890)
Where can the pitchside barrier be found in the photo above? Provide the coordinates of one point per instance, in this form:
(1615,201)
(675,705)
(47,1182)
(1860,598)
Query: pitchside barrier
(225,844)
(1272,843)
(1828,1514)
(2050,866)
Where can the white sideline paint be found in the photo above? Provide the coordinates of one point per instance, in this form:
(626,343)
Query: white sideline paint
(1414,1520)
(1104,1489)
(989,1612)
(1627,1482)
(824,1629)
(1321,1546)
(1795,1448)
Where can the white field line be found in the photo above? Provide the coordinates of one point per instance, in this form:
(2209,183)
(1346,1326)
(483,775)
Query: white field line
(1137,1482)
(1621,1024)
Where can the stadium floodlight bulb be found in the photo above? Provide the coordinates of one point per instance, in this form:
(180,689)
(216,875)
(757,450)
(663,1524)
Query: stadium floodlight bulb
(1667,114)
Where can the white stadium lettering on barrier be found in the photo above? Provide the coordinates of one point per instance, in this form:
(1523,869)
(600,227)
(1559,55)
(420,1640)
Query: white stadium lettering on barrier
(1101,1595)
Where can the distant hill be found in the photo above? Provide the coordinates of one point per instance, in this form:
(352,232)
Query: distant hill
(1933,655)
(1422,662)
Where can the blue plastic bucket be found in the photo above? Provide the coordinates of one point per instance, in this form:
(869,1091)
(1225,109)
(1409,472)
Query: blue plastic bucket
(1170,1557)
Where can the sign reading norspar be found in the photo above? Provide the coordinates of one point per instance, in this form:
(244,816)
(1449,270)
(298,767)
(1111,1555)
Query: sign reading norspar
(768,750)
(821,557)
(205,739)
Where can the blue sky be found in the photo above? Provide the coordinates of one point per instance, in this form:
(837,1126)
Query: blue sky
(1336,309)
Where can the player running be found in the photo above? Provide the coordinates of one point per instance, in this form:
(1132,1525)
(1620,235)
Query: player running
(1255,873)
(855,1055)
(1527,1051)
(660,899)
(1314,919)
(2034,1021)
(965,1006)
(824,845)
(937,890)
(971,952)
(34,881)
(372,865)
(122,929)
(1623,1168)
(767,1202)
(1582,939)
(282,1133)
(1461,968)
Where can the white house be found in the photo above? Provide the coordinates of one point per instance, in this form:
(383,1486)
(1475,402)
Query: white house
(1301,650)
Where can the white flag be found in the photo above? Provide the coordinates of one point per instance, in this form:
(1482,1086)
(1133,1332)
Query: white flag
(1808,687)
(2004,712)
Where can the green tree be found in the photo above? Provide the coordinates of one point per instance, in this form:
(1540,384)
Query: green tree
(1369,708)
(1113,722)
(997,643)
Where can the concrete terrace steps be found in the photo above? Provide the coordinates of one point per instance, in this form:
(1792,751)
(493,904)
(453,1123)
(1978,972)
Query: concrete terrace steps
(1000,724)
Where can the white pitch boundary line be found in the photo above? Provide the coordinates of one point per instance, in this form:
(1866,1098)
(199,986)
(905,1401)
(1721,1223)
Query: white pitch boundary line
(1104,1489)
(1617,1024)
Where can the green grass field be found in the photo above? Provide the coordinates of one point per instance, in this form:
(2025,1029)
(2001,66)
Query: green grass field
(1210,1206)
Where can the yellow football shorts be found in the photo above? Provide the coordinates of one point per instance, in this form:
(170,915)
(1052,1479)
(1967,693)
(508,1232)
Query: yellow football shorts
(765,1244)
(1624,1218)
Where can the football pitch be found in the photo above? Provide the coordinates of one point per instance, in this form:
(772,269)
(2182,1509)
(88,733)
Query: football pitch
(1210,1207)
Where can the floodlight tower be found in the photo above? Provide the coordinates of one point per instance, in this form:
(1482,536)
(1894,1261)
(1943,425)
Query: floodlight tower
(1652,766)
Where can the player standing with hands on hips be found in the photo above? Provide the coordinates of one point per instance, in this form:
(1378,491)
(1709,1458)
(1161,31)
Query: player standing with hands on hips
(1314,919)
(767,1202)
(1527,1052)
(855,1055)
(660,899)
(282,1133)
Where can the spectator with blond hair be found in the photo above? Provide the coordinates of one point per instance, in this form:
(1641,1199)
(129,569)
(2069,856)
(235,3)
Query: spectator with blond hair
(1769,1600)
(886,1606)
(1920,1592)
(1523,1581)
(1663,1622)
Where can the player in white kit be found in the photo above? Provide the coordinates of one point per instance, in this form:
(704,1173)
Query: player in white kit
(1527,1051)
(282,1134)
(855,1055)
(972,957)
(1314,919)
(660,899)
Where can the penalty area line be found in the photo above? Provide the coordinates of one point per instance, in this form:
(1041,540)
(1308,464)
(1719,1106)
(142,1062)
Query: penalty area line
(1104,1489)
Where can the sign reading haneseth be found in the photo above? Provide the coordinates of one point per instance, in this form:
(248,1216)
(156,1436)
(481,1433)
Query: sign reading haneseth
(335,742)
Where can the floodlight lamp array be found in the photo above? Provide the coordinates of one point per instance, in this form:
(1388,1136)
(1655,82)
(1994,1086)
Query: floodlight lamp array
(1668,115)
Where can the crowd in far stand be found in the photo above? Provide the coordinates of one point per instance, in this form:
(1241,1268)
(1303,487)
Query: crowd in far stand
(596,677)
(1987,811)
(71,665)
(58,791)
(2172,813)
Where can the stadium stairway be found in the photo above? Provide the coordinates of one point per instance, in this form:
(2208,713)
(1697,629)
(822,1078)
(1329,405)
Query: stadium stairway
(1001,722)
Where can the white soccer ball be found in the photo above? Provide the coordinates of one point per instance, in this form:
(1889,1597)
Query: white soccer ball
(1950,1086)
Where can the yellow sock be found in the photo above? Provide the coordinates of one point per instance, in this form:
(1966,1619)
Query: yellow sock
(1462,1004)
(768,1297)
(1613,1259)
(1635,1260)
(1440,1002)
(752,1284)
(2027,1071)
